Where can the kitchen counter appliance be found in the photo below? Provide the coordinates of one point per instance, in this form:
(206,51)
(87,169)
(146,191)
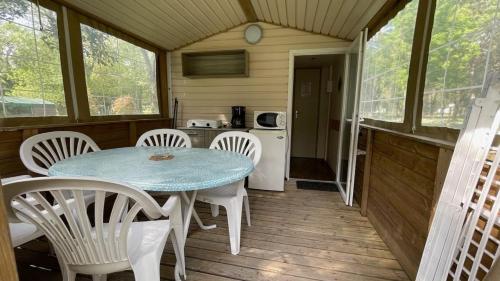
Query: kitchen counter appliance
(238,119)
(270,172)
(269,120)
(204,123)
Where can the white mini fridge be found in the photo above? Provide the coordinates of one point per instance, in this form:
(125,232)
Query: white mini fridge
(270,172)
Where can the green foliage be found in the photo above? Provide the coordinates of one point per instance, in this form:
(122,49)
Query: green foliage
(465,34)
(126,71)
(30,65)
(386,67)
(464,47)
(29,57)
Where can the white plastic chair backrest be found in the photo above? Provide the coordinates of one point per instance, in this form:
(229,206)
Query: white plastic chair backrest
(164,137)
(67,224)
(241,142)
(41,151)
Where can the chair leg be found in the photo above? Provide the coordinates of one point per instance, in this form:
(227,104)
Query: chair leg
(67,274)
(234,212)
(247,210)
(215,210)
(99,277)
(179,253)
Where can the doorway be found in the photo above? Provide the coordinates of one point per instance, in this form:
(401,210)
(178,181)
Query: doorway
(313,91)
(342,126)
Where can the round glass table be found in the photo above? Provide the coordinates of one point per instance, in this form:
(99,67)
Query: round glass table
(187,169)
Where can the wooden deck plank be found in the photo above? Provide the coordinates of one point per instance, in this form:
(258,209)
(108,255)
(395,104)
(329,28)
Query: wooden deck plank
(296,235)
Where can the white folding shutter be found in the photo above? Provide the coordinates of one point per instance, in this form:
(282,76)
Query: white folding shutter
(463,240)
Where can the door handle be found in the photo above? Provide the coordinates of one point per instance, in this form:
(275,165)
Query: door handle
(296,114)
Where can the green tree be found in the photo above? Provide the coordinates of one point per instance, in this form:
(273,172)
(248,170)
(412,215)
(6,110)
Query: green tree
(30,64)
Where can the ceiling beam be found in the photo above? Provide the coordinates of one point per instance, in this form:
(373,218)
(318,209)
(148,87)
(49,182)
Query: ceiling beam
(247,7)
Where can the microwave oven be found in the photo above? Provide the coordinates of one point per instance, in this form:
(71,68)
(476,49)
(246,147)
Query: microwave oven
(270,120)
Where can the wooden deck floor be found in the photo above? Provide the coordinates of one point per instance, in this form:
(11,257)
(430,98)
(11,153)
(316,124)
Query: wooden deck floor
(298,235)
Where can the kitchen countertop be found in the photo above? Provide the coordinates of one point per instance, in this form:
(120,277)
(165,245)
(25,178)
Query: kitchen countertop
(215,129)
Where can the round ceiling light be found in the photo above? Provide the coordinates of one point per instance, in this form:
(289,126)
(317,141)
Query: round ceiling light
(253,34)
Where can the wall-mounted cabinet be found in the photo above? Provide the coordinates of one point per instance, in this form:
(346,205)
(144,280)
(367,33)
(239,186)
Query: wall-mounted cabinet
(230,63)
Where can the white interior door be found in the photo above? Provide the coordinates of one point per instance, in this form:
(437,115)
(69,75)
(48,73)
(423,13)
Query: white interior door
(350,119)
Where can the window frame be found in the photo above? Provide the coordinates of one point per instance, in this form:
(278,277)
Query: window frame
(376,25)
(50,120)
(412,121)
(74,22)
(69,19)
(444,133)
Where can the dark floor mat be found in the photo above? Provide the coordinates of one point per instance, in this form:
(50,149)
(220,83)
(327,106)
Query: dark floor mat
(315,185)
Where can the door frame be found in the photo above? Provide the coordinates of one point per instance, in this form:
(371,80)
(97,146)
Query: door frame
(345,87)
(351,171)
(291,76)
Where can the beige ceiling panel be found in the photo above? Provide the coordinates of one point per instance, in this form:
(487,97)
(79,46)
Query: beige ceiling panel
(170,12)
(331,15)
(209,13)
(169,26)
(281,4)
(357,12)
(116,17)
(238,10)
(175,23)
(229,12)
(301,13)
(376,5)
(273,9)
(181,14)
(258,11)
(291,12)
(322,9)
(343,16)
(311,9)
(265,11)
(200,13)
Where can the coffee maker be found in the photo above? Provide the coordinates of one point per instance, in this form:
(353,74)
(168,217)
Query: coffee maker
(238,119)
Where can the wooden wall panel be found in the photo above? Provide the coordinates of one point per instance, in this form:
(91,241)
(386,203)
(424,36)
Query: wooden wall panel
(8,270)
(265,89)
(106,135)
(401,194)
(360,166)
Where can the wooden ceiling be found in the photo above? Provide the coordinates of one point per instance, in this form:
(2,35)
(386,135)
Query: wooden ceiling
(171,24)
(338,18)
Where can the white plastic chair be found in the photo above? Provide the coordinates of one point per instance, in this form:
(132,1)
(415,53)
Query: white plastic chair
(164,137)
(233,196)
(21,232)
(41,151)
(113,244)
